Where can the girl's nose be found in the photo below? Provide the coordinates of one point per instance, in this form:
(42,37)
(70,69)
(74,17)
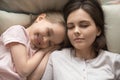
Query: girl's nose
(46,40)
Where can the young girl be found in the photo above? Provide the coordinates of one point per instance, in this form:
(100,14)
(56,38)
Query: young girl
(21,50)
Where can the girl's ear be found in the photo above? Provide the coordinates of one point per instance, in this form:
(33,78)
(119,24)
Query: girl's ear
(40,17)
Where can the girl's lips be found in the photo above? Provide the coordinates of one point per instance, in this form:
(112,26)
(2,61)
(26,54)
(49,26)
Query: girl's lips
(38,39)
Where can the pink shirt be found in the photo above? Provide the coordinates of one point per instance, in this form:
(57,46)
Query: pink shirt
(18,34)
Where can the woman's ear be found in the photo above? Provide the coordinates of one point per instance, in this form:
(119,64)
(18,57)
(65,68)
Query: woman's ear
(98,31)
(40,17)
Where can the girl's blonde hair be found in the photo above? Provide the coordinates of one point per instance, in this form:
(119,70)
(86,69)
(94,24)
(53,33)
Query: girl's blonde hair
(55,17)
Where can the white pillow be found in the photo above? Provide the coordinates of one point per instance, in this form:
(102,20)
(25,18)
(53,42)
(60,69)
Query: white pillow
(8,19)
(31,6)
(112,17)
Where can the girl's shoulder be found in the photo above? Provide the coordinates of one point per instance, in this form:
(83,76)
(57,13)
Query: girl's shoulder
(16,33)
(15,28)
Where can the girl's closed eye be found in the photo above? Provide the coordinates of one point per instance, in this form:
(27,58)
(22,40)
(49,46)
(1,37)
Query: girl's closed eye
(49,43)
(49,34)
(36,34)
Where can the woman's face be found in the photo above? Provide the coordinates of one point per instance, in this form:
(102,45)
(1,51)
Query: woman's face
(44,34)
(82,30)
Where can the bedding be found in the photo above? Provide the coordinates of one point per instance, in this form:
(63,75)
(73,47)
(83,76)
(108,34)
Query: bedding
(19,12)
(112,17)
(8,19)
(31,6)
(23,12)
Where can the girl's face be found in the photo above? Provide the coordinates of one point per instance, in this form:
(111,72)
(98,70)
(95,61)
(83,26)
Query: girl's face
(82,30)
(44,34)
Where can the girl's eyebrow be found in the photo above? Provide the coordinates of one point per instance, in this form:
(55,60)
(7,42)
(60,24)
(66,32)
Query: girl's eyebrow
(50,31)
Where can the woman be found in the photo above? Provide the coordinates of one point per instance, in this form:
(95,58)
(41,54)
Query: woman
(87,57)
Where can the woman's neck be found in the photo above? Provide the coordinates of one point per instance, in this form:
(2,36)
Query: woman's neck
(85,54)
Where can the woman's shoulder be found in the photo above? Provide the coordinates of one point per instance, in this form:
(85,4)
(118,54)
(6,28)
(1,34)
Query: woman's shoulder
(110,54)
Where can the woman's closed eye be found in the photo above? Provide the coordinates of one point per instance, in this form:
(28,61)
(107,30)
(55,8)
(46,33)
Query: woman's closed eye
(70,26)
(84,24)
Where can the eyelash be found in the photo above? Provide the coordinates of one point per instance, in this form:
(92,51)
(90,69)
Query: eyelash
(70,27)
(80,25)
(49,43)
(83,25)
(48,34)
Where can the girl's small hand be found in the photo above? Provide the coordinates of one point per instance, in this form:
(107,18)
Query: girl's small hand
(38,72)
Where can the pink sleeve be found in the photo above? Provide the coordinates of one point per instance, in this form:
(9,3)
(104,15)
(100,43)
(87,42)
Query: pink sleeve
(15,33)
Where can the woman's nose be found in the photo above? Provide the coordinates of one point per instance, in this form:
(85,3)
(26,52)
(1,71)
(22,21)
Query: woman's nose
(77,31)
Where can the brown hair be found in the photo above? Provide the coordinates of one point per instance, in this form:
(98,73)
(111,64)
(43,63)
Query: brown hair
(94,9)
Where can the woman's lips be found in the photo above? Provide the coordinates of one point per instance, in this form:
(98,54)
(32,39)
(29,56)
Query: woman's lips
(79,39)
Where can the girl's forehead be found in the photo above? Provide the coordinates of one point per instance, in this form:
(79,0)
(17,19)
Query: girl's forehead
(58,33)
